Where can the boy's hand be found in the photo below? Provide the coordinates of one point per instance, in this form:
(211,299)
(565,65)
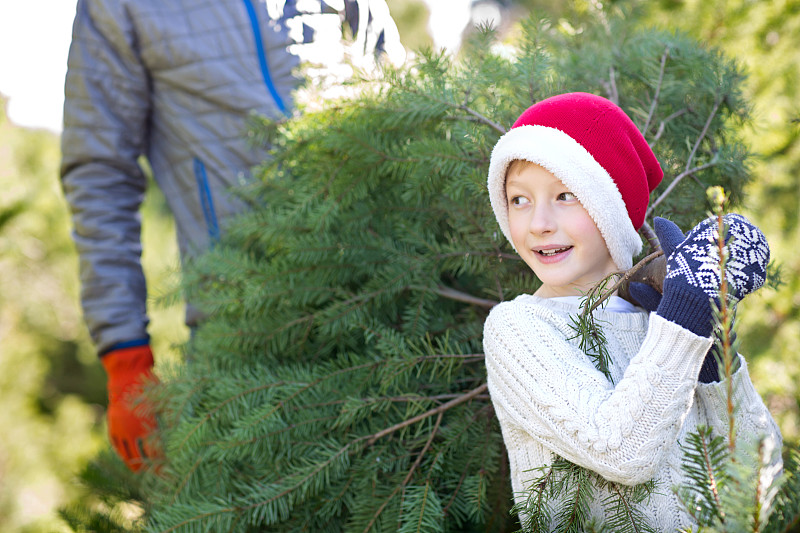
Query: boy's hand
(130,426)
(693,276)
(646,296)
(694,260)
(649,298)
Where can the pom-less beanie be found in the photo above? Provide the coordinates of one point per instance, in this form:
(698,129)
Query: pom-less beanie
(597,151)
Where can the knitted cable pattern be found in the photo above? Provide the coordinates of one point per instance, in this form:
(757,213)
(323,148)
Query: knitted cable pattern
(550,399)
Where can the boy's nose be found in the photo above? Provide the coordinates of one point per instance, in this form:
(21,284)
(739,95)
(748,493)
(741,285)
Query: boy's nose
(542,221)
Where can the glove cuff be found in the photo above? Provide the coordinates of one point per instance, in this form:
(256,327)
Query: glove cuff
(687,306)
(125,366)
(709,372)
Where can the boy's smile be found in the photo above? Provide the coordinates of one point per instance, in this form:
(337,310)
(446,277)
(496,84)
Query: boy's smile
(553,233)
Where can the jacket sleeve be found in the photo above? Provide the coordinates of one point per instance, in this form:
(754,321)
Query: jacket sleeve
(105,129)
(540,384)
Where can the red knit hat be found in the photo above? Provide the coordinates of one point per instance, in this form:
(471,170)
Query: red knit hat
(592,146)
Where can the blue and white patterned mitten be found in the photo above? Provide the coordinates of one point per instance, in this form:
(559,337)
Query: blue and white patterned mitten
(693,276)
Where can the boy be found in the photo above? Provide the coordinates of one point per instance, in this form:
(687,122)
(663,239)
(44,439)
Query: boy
(569,185)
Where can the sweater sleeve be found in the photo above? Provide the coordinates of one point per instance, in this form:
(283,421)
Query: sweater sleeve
(752,419)
(548,388)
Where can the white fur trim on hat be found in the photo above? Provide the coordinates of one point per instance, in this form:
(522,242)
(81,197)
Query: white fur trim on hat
(579,172)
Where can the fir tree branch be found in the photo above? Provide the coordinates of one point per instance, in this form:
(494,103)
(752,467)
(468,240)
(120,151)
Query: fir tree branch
(186,478)
(622,278)
(628,509)
(476,356)
(453,294)
(654,102)
(444,407)
(675,182)
(462,107)
(650,236)
(709,465)
(465,469)
(210,414)
(416,464)
(497,127)
(717,198)
(200,516)
(320,466)
(233,444)
(541,489)
(308,386)
(379,512)
(383,155)
(688,171)
(496,253)
(424,449)
(408,476)
(663,124)
(611,88)
(703,134)
(437,398)
(576,518)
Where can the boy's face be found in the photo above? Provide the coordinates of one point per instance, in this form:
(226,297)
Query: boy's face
(553,233)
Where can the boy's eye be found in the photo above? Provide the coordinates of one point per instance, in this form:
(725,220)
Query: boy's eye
(518,200)
(567,197)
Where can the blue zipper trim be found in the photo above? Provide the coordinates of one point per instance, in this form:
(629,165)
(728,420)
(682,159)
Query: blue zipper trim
(262,56)
(206,201)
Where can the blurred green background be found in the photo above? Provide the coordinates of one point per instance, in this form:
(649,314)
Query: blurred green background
(52,389)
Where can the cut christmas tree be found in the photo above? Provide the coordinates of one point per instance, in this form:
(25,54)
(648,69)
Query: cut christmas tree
(338,382)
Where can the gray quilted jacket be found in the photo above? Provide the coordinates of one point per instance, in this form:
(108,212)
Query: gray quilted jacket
(174,81)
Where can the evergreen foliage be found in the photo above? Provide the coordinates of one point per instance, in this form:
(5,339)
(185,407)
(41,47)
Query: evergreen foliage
(116,502)
(562,494)
(735,490)
(338,382)
(734,480)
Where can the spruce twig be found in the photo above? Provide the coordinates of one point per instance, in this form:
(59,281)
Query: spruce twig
(422,453)
(717,197)
(611,88)
(444,407)
(654,102)
(689,170)
(494,125)
(703,133)
(622,277)
(461,107)
(650,236)
(663,124)
(592,339)
(709,465)
(675,182)
(459,296)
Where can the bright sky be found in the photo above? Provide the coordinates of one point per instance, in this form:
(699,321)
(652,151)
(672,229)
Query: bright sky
(34,41)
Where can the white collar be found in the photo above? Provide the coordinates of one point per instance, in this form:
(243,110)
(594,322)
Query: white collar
(614,304)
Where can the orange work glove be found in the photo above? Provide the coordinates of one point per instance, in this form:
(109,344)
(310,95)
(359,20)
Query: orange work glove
(129,426)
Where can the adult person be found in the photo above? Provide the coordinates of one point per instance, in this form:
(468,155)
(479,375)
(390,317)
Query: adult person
(175,81)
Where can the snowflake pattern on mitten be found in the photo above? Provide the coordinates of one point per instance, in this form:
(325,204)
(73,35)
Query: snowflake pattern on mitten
(695,260)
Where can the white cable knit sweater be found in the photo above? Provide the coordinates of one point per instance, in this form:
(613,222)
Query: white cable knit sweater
(550,398)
